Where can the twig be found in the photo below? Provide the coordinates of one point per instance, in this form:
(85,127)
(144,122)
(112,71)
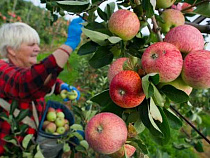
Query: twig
(156,28)
(199,19)
(194,5)
(188,122)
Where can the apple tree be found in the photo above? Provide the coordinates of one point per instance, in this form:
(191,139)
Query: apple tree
(170,34)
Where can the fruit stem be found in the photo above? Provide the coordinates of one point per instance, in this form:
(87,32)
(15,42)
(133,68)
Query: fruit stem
(99,129)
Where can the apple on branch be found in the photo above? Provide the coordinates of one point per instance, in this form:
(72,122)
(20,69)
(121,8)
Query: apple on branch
(106,133)
(196,69)
(124,23)
(164,3)
(172,18)
(186,38)
(126,89)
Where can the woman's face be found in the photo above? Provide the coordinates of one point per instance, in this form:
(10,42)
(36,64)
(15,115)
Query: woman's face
(26,55)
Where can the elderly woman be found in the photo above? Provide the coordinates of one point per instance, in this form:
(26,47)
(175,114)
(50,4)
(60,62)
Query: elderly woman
(25,80)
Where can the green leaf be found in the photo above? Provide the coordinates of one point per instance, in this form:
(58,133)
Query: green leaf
(104,100)
(13,106)
(27,154)
(66,147)
(102,57)
(102,14)
(38,154)
(109,9)
(158,98)
(198,146)
(74,6)
(181,146)
(10,139)
(22,115)
(26,140)
(148,8)
(174,94)
(146,119)
(174,121)
(114,39)
(139,144)
(4,116)
(154,111)
(95,36)
(87,48)
(85,144)
(165,129)
(76,127)
(203,9)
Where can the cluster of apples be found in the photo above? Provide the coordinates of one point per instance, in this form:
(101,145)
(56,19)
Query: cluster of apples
(180,60)
(55,122)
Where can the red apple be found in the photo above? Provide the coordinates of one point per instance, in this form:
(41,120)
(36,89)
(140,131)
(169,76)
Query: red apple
(106,133)
(51,109)
(162,58)
(186,5)
(124,23)
(45,123)
(172,18)
(164,3)
(130,150)
(196,69)
(126,89)
(58,110)
(186,38)
(116,67)
(51,116)
(50,128)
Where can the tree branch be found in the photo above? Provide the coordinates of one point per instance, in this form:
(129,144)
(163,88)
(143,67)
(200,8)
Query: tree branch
(201,28)
(156,28)
(199,19)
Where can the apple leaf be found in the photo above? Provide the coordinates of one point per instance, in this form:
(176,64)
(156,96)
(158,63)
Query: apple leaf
(158,98)
(174,121)
(102,14)
(109,9)
(26,140)
(203,9)
(85,144)
(154,111)
(95,36)
(102,57)
(174,94)
(148,8)
(104,100)
(146,81)
(114,39)
(76,127)
(165,129)
(74,6)
(146,119)
(87,48)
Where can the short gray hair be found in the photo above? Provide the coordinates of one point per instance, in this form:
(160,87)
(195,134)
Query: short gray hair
(14,34)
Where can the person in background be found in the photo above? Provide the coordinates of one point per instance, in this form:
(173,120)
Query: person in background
(25,80)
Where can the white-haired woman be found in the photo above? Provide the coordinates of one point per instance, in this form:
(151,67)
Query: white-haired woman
(25,80)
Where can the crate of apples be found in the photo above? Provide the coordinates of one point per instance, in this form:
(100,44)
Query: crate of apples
(55,122)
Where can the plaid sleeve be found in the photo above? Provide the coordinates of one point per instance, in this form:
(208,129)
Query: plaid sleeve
(27,84)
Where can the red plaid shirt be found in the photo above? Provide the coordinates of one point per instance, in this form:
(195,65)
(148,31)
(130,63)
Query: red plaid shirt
(25,85)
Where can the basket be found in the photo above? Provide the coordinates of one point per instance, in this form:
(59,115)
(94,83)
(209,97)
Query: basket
(48,142)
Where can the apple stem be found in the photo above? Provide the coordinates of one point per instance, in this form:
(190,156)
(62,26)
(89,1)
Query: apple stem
(188,122)
(122,92)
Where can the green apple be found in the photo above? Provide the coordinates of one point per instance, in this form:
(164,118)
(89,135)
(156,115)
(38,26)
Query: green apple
(64,94)
(61,130)
(72,95)
(164,3)
(59,122)
(51,116)
(60,114)
(172,18)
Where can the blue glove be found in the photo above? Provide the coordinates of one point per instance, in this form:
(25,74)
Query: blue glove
(65,86)
(74,33)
